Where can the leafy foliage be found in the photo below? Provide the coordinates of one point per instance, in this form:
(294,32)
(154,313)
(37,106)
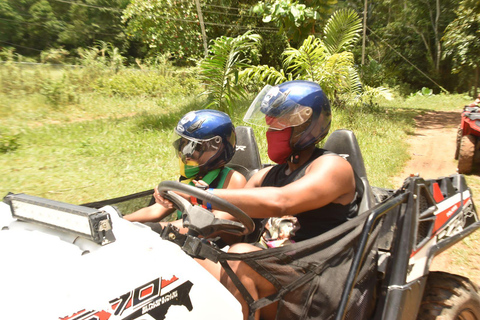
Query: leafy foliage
(166,26)
(342,31)
(296,19)
(462,39)
(33,26)
(59,92)
(266,74)
(52,55)
(404,37)
(326,61)
(102,54)
(220,70)
(403,46)
(173,27)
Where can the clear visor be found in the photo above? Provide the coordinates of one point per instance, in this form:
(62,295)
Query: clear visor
(275,110)
(196,152)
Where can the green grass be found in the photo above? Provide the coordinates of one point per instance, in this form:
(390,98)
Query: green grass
(93,159)
(89,160)
(107,144)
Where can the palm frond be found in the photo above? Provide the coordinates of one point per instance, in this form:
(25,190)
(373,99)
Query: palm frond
(264,74)
(377,92)
(306,59)
(354,84)
(342,30)
(219,71)
(335,72)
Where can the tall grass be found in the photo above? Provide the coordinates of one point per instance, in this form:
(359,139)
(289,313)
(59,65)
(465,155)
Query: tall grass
(33,94)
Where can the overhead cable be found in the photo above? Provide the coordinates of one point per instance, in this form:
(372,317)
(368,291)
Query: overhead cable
(17,45)
(394,50)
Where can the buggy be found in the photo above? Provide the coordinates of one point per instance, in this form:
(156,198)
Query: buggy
(467,144)
(63,261)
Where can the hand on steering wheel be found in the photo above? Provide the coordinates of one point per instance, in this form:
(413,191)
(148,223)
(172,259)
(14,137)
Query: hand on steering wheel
(198,219)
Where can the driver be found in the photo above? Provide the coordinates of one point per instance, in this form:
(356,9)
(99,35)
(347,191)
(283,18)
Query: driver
(313,185)
(475,103)
(204,143)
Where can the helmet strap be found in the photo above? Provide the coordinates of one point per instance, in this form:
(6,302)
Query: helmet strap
(295,157)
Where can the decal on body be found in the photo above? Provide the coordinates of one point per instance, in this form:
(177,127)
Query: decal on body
(148,299)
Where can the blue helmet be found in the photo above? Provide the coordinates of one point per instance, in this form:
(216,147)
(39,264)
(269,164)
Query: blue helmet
(206,138)
(299,104)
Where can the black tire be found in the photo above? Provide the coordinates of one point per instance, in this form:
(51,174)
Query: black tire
(467,152)
(449,297)
(476,156)
(459,140)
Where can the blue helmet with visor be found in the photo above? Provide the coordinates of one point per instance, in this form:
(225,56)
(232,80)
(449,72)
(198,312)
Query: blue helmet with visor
(204,140)
(301,105)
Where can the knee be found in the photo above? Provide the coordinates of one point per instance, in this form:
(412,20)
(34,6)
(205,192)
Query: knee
(242,248)
(238,266)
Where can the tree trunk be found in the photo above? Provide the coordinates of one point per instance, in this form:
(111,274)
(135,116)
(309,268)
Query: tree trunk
(477,71)
(437,37)
(435,21)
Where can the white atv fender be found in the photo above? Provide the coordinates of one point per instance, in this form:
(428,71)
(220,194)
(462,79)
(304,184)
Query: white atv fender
(49,273)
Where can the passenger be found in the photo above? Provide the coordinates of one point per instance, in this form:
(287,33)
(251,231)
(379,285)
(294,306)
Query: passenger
(313,185)
(205,143)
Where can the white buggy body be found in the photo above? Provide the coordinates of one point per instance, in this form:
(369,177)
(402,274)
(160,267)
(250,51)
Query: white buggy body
(48,273)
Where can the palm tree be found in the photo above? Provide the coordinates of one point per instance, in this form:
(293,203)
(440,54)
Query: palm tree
(326,61)
(219,71)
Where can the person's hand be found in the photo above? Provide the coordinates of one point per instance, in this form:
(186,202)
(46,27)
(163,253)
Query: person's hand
(200,183)
(161,200)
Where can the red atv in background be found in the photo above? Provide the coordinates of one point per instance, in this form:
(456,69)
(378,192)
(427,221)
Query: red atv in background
(468,140)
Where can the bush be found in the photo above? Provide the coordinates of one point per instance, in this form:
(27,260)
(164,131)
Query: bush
(8,142)
(59,92)
(131,83)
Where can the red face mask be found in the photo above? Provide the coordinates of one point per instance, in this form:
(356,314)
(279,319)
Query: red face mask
(279,145)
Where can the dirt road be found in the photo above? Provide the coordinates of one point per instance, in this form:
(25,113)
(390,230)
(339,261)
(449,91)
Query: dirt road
(432,150)
(432,146)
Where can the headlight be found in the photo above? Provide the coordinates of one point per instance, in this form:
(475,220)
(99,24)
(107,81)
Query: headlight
(86,222)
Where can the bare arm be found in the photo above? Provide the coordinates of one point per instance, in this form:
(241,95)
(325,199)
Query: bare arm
(235,180)
(153,213)
(328,179)
(156,212)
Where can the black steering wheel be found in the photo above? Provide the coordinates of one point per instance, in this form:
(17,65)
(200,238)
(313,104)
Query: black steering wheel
(201,221)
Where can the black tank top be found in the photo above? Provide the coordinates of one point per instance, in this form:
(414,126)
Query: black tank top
(316,221)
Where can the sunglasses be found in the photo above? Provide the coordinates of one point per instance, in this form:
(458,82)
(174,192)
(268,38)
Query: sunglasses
(195,149)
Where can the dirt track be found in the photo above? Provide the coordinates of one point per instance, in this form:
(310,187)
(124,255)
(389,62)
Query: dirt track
(432,146)
(432,150)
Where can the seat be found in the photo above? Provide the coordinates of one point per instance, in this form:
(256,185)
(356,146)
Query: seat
(247,159)
(344,143)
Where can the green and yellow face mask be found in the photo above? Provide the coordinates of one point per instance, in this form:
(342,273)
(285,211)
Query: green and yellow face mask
(190,169)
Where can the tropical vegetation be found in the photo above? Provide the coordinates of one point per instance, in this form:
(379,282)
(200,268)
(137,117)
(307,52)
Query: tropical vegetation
(406,45)
(220,71)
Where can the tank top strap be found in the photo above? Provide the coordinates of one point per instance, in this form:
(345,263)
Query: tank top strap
(276,177)
(219,181)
